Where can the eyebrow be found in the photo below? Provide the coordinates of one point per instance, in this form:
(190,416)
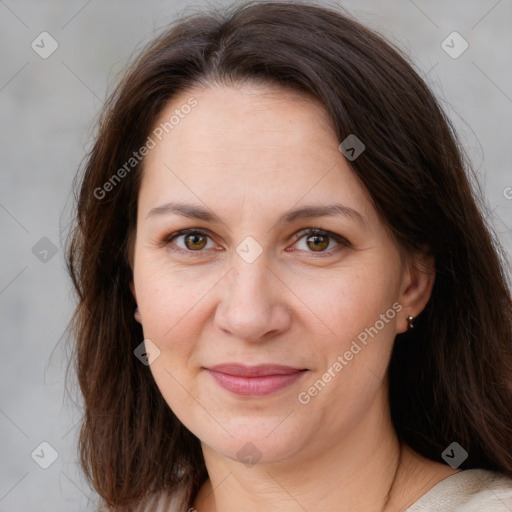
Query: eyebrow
(305,212)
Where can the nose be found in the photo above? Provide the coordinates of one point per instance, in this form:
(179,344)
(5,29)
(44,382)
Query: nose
(253,306)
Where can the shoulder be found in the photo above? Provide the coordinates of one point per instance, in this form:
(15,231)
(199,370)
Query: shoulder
(471,490)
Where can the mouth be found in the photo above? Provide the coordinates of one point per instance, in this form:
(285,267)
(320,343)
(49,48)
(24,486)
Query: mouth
(257,380)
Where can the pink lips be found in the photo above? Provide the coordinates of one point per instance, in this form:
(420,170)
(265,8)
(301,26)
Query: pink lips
(254,380)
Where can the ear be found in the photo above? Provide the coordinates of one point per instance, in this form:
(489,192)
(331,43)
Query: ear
(136,313)
(417,283)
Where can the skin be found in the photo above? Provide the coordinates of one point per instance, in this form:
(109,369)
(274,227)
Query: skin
(248,153)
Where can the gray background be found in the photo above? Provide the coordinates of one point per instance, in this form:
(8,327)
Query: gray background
(48,110)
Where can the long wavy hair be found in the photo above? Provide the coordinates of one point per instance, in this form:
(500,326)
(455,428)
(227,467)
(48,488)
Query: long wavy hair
(450,378)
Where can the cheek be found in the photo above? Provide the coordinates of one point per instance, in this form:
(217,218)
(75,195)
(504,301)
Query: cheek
(348,301)
(171,303)
(169,299)
(358,311)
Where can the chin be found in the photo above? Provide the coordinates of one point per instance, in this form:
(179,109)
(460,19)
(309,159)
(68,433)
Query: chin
(254,441)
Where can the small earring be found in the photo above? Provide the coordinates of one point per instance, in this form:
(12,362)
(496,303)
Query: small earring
(410,320)
(136,314)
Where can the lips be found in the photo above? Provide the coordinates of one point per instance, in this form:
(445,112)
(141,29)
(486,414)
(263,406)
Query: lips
(262,370)
(257,380)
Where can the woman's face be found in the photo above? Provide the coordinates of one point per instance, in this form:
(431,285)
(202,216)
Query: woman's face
(252,171)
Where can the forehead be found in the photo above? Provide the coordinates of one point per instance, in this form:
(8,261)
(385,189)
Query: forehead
(246,117)
(264,144)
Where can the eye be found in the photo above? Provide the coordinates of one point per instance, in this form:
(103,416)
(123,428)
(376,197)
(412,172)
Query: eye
(319,240)
(192,240)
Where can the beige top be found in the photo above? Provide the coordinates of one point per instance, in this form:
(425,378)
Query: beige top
(471,490)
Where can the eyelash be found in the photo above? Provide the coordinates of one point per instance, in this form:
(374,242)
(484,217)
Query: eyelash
(301,234)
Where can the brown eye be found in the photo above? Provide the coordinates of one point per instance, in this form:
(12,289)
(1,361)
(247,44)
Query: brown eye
(189,242)
(195,241)
(317,242)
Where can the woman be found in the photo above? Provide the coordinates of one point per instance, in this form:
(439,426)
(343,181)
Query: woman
(288,296)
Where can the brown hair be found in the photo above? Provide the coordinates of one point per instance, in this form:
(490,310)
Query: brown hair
(450,378)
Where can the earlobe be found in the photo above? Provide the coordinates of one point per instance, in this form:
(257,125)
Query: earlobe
(136,313)
(418,282)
